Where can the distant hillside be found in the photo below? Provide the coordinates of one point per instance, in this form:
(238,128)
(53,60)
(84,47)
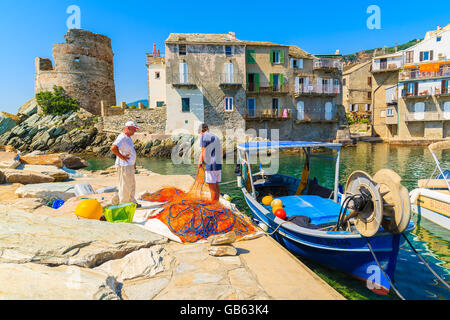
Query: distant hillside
(144,101)
(365,55)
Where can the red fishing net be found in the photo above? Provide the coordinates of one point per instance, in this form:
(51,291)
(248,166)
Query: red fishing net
(193,216)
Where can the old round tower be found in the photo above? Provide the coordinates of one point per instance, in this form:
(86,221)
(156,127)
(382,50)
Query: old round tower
(83,67)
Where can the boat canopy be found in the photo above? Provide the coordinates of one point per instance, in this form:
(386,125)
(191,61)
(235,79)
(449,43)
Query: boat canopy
(260,145)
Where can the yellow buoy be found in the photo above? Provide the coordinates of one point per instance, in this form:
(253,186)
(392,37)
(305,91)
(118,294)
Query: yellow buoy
(89,209)
(277,203)
(275,208)
(267,200)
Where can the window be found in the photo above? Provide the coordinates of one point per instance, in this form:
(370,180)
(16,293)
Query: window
(183,72)
(229,73)
(300,63)
(159,103)
(296,63)
(185,106)
(389,112)
(344,81)
(419,110)
(228,51)
(157,75)
(409,57)
(251,56)
(369,81)
(438,38)
(369,95)
(446,109)
(228,103)
(276,81)
(300,110)
(275,56)
(368,106)
(275,106)
(426,55)
(383,63)
(182,49)
(251,107)
(77,59)
(355,107)
(328,111)
(293,63)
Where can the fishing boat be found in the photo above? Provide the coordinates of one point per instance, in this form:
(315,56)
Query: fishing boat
(431,200)
(356,230)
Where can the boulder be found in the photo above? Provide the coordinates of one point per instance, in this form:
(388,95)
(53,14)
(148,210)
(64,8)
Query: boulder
(28,237)
(7,121)
(28,108)
(33,281)
(221,239)
(219,251)
(47,190)
(7,160)
(73,162)
(42,159)
(52,171)
(145,262)
(25,176)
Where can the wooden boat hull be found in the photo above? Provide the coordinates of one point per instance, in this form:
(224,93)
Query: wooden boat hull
(431,205)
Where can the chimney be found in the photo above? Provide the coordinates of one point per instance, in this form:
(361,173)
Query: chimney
(232,35)
(154,50)
(158,53)
(337,51)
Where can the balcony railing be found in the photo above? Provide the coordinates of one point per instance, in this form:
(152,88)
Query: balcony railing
(312,89)
(426,93)
(182,79)
(231,79)
(328,64)
(314,115)
(269,114)
(267,88)
(416,74)
(391,65)
(426,116)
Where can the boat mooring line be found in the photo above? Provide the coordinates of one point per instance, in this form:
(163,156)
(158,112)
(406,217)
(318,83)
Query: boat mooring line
(379,266)
(426,264)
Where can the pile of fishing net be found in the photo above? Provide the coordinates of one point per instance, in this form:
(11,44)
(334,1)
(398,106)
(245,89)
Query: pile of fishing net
(192,216)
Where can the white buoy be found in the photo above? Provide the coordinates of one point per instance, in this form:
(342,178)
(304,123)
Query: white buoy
(263,226)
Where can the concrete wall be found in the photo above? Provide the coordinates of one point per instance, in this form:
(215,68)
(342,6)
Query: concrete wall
(156,85)
(356,89)
(83,66)
(148,120)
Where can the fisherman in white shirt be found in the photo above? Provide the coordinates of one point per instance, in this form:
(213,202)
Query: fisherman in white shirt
(123,148)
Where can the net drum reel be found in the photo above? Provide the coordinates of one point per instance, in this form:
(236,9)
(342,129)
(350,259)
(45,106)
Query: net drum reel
(375,202)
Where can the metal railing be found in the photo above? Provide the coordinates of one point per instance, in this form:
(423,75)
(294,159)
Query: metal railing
(269,113)
(426,116)
(416,74)
(231,78)
(328,64)
(266,87)
(182,78)
(386,66)
(317,89)
(314,115)
(426,93)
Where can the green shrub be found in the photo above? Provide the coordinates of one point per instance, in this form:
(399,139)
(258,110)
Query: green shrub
(56,102)
(133,107)
(364,120)
(95,119)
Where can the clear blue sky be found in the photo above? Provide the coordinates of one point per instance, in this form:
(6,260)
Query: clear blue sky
(28,29)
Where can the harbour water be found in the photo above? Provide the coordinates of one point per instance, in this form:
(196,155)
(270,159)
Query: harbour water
(412,163)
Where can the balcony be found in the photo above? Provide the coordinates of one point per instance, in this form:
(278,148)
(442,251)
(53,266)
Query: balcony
(267,88)
(314,115)
(328,65)
(314,89)
(426,93)
(425,116)
(415,74)
(269,114)
(386,67)
(183,80)
(231,79)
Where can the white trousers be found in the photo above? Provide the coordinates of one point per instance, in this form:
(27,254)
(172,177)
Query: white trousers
(127,184)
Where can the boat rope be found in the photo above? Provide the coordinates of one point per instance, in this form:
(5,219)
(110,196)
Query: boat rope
(228,182)
(379,266)
(424,262)
(276,229)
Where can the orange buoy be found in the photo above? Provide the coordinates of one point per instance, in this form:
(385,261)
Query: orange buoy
(89,209)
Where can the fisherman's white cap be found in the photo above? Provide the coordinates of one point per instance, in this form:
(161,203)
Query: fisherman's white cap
(131,124)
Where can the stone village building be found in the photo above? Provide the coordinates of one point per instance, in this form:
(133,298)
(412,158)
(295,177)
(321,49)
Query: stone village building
(230,84)
(357,88)
(411,91)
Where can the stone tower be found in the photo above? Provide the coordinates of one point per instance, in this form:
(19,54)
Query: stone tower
(83,67)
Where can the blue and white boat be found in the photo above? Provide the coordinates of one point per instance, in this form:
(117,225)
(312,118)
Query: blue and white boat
(313,212)
(431,199)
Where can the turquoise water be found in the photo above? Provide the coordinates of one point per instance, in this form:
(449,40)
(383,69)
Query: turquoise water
(412,163)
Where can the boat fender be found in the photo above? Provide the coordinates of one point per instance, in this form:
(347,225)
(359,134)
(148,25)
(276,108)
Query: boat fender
(263,227)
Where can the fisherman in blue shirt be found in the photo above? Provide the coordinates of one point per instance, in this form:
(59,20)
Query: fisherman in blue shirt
(212,156)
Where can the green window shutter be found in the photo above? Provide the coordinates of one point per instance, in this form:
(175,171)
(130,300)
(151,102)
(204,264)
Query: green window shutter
(247,81)
(281,81)
(251,56)
(281,56)
(271,56)
(256,82)
(271,80)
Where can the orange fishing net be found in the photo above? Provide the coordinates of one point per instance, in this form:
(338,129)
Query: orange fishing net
(193,216)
